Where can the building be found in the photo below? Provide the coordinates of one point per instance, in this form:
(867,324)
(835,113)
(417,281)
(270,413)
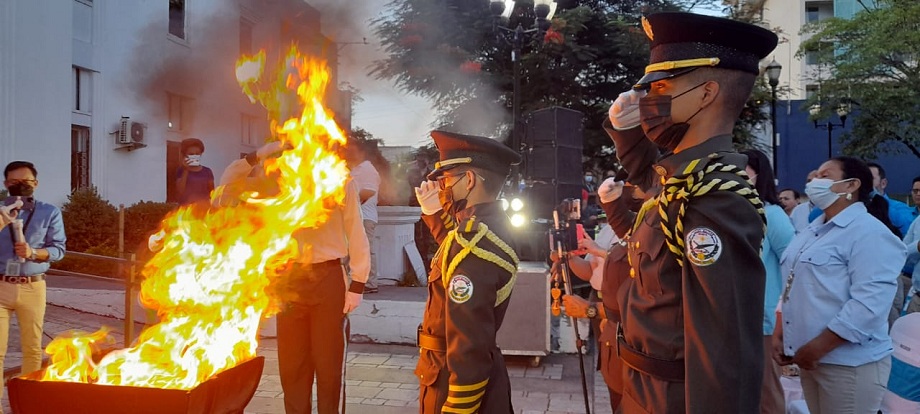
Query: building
(127,80)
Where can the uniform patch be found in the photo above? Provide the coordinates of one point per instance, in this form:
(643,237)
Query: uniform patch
(460,289)
(703,246)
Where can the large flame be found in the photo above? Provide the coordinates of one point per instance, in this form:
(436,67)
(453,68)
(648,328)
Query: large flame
(210,285)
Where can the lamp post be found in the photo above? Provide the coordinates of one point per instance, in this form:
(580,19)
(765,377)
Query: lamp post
(502,10)
(773,71)
(842,111)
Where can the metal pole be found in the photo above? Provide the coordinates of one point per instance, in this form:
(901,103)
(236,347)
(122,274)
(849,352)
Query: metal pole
(516,104)
(129,303)
(773,120)
(830,140)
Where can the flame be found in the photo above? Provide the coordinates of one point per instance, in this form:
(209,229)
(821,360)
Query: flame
(213,281)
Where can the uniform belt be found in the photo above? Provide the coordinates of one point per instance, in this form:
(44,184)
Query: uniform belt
(666,369)
(430,342)
(322,265)
(22,279)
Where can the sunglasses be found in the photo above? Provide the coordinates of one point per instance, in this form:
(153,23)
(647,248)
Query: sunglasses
(11,183)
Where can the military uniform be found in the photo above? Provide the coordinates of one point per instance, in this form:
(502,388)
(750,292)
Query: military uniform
(691,336)
(460,368)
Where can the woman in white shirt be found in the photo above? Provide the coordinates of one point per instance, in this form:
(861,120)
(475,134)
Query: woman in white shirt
(841,277)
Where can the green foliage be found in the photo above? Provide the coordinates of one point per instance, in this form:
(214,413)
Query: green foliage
(869,63)
(448,52)
(141,220)
(91,225)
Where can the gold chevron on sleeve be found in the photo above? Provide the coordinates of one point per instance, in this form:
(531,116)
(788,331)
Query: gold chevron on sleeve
(471,410)
(465,400)
(467,388)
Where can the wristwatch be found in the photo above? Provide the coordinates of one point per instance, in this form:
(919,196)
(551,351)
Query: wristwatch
(34,256)
(591,312)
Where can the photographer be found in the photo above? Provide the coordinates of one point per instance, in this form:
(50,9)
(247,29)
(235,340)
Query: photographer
(26,255)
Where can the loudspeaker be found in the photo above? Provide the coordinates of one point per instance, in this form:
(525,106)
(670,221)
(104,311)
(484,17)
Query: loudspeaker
(544,197)
(554,164)
(555,127)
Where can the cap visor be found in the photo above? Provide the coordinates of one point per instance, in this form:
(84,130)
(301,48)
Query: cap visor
(651,77)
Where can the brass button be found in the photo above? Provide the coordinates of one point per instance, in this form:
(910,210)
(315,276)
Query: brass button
(637,245)
(661,171)
(632,273)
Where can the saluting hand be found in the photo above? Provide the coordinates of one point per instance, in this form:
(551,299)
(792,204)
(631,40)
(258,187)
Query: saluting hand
(624,113)
(427,195)
(610,190)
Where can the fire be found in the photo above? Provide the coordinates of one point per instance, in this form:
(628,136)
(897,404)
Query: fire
(211,283)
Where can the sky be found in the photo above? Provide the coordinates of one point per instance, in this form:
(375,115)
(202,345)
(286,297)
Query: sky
(396,118)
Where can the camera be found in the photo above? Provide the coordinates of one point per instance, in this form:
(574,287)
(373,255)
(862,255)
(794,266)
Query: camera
(28,203)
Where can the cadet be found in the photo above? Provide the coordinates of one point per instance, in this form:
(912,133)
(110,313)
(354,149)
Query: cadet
(460,368)
(691,335)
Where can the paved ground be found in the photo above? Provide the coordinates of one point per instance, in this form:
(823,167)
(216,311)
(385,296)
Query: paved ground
(379,378)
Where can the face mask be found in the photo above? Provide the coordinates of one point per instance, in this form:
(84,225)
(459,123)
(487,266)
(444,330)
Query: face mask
(820,194)
(21,190)
(446,198)
(655,117)
(589,178)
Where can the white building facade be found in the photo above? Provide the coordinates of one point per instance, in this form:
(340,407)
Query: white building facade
(72,72)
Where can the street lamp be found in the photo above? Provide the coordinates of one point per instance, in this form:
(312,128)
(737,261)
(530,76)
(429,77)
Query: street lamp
(502,10)
(773,71)
(842,111)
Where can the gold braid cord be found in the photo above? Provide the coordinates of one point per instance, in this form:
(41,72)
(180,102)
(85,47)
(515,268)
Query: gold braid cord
(680,189)
(470,246)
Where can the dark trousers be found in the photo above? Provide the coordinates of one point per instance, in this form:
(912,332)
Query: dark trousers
(312,336)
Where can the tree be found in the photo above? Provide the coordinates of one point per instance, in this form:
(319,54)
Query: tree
(870,63)
(447,51)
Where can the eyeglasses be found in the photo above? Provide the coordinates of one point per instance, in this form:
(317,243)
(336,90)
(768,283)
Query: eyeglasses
(11,183)
(915,191)
(442,180)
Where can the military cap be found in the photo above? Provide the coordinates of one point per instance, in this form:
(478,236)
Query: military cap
(682,42)
(458,150)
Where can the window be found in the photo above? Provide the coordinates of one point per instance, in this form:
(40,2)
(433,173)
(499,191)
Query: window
(811,90)
(177,18)
(812,57)
(79,157)
(248,130)
(245,37)
(179,112)
(812,14)
(82,90)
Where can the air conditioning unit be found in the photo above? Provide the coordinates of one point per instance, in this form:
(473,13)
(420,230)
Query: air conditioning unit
(130,133)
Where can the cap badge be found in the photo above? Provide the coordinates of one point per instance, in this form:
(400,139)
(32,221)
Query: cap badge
(648,28)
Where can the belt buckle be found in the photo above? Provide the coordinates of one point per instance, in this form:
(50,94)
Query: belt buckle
(17,280)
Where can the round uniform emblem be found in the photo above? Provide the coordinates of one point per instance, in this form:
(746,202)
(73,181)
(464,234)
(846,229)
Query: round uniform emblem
(460,289)
(703,246)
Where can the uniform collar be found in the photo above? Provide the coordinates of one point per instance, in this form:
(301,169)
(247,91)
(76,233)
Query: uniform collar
(480,210)
(682,163)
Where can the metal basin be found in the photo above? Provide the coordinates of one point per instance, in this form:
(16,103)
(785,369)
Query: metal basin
(224,393)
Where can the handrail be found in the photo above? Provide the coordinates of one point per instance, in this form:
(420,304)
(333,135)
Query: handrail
(103,258)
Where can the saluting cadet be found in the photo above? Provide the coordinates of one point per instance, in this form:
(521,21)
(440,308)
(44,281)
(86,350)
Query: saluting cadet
(460,368)
(691,335)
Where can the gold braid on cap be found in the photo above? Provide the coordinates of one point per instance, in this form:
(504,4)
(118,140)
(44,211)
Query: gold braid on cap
(452,161)
(680,64)
(680,189)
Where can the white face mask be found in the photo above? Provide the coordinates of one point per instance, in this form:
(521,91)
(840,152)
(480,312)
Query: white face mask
(589,178)
(819,192)
(193,160)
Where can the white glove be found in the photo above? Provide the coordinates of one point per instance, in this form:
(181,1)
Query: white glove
(267,150)
(427,196)
(155,241)
(352,301)
(624,113)
(610,190)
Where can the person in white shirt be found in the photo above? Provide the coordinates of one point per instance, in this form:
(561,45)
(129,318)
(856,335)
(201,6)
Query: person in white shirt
(367,179)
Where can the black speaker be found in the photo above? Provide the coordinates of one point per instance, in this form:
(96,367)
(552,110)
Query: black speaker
(554,164)
(555,127)
(542,197)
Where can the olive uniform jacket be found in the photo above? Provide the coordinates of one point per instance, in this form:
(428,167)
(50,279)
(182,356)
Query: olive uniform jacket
(691,335)
(460,368)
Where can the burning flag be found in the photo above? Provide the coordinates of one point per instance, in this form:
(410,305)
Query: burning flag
(210,285)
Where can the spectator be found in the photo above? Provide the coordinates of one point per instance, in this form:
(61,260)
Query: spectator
(194,182)
(22,284)
(788,200)
(590,185)
(800,213)
(841,277)
(915,196)
(912,241)
(899,213)
(779,233)
(368,181)
(903,385)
